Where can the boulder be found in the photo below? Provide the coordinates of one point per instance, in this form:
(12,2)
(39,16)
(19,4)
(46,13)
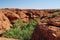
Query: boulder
(12,16)
(23,16)
(54,21)
(44,32)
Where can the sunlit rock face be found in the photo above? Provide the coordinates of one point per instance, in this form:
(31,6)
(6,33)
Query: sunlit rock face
(4,22)
(27,14)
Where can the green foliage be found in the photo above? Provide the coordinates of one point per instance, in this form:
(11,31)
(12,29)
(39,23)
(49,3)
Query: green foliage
(55,14)
(21,31)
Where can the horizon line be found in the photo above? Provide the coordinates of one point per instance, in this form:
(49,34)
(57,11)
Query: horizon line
(34,8)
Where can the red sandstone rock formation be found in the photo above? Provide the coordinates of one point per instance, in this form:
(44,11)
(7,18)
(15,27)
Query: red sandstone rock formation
(12,16)
(44,32)
(54,21)
(4,22)
(26,15)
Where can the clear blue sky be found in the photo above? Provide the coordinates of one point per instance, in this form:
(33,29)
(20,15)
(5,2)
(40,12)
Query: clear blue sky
(35,4)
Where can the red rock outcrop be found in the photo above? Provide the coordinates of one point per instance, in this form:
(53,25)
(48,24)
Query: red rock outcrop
(54,21)
(27,14)
(4,22)
(44,32)
(10,15)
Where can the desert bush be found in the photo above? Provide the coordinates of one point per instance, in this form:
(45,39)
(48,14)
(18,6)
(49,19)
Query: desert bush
(55,14)
(21,31)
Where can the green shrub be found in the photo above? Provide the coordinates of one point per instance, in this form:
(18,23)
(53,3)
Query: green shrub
(55,14)
(21,31)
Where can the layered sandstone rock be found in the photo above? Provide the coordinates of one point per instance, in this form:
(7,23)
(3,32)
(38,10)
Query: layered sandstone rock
(54,21)
(48,29)
(4,22)
(12,16)
(44,32)
(26,15)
